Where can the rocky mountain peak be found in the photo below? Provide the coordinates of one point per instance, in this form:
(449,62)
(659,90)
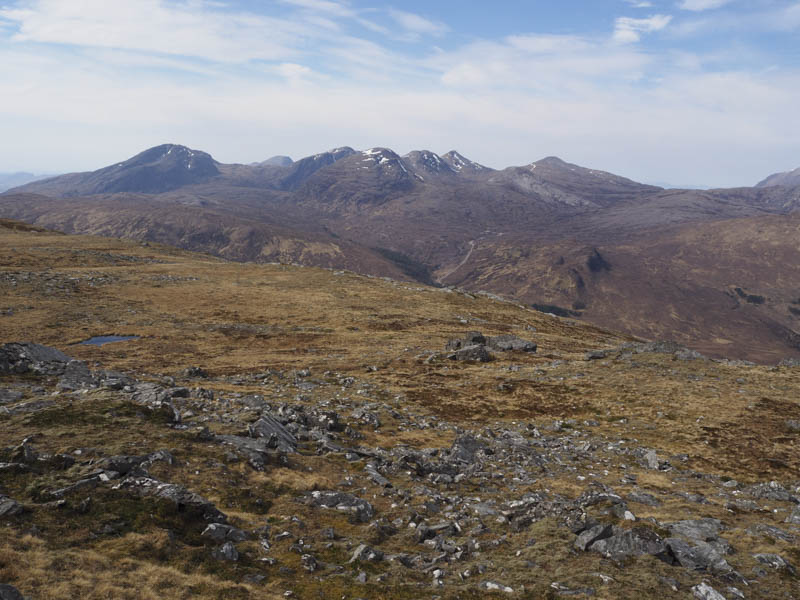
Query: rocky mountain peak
(427,162)
(461,164)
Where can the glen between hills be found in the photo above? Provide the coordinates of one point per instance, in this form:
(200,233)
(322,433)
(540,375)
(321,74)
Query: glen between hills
(715,269)
(282,431)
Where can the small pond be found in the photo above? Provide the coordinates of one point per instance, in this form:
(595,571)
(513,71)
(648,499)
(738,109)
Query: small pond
(100,340)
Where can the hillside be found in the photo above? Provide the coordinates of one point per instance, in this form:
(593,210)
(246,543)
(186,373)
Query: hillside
(282,431)
(524,232)
(740,301)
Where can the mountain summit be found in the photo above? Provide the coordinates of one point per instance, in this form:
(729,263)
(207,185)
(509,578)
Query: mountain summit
(787,179)
(157,170)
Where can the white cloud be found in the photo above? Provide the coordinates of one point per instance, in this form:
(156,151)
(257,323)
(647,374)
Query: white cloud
(195,29)
(640,3)
(629,30)
(700,5)
(301,84)
(416,24)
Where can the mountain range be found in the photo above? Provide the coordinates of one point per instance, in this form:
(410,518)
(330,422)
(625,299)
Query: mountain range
(714,269)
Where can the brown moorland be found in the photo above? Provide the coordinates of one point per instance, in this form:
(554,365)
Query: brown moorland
(287,340)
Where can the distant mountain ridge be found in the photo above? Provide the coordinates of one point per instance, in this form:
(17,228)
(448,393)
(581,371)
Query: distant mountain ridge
(12,180)
(788,178)
(550,233)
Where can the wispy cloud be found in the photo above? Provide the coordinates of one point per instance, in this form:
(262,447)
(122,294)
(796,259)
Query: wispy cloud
(701,5)
(310,74)
(629,30)
(416,25)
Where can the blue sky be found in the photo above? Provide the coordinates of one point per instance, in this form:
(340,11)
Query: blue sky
(702,92)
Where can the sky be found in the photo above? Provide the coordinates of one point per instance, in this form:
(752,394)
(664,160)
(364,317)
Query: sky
(684,92)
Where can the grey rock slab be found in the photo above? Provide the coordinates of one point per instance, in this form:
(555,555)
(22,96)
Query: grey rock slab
(770,491)
(794,517)
(651,460)
(772,532)
(701,530)
(372,472)
(226,552)
(466,447)
(8,396)
(275,434)
(27,357)
(9,507)
(777,562)
(473,338)
(703,591)
(474,353)
(701,557)
(493,586)
(588,537)
(506,343)
(360,511)
(365,553)
(219,532)
(631,542)
(77,376)
(9,592)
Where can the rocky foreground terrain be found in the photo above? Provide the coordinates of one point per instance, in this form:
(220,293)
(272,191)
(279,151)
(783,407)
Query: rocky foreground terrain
(272,431)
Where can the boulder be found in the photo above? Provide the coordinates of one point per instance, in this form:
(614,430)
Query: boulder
(25,357)
(776,562)
(365,553)
(220,533)
(473,338)
(493,586)
(9,507)
(701,530)
(8,396)
(631,542)
(226,552)
(9,592)
(466,447)
(360,511)
(506,343)
(703,591)
(476,353)
(275,434)
(77,376)
(702,557)
(594,534)
(794,518)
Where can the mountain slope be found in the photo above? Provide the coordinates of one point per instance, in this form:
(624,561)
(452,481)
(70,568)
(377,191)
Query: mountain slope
(449,220)
(159,169)
(727,288)
(788,179)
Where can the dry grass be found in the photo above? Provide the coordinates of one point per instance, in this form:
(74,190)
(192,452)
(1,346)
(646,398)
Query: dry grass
(238,319)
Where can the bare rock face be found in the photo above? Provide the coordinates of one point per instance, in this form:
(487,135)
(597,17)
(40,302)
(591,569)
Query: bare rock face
(26,357)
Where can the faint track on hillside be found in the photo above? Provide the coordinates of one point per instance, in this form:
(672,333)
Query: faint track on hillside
(464,260)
